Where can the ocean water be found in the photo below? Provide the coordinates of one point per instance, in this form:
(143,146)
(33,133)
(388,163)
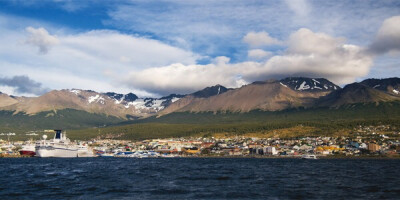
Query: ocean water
(198,178)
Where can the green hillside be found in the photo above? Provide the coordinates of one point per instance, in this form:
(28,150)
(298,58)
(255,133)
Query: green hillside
(326,121)
(67,119)
(84,125)
(370,111)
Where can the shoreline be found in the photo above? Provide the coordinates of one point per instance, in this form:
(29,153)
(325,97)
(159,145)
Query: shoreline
(299,157)
(325,157)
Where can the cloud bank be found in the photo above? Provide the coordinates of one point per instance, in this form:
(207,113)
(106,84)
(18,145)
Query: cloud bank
(308,54)
(388,37)
(149,62)
(23,85)
(88,60)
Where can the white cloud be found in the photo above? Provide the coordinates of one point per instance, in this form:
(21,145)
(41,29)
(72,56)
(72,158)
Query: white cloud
(102,59)
(182,79)
(41,38)
(221,60)
(258,53)
(388,37)
(316,55)
(304,41)
(131,51)
(89,60)
(331,58)
(214,28)
(259,39)
(300,7)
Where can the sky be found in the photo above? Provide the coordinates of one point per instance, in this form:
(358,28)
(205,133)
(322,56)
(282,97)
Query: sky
(155,48)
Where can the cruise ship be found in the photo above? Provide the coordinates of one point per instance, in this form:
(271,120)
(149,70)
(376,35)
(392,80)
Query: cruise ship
(61,146)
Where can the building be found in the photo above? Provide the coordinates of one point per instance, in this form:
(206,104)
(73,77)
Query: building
(270,151)
(373,147)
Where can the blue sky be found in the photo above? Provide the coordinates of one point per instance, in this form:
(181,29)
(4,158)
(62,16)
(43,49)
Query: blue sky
(154,48)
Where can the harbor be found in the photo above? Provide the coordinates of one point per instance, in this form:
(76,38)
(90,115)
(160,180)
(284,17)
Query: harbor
(367,142)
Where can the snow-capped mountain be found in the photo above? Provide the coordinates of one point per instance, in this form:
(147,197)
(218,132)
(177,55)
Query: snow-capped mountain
(356,93)
(120,105)
(189,99)
(210,91)
(130,100)
(308,84)
(270,95)
(389,85)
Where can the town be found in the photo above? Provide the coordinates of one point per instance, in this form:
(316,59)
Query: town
(366,141)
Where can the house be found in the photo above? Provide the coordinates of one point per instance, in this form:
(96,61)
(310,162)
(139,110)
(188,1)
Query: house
(235,152)
(205,145)
(363,146)
(270,151)
(373,147)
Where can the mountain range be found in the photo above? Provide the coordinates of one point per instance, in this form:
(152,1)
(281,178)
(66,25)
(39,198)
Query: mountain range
(259,106)
(271,95)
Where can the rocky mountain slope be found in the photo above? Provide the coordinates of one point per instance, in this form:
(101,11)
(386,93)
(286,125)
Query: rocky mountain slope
(120,105)
(389,85)
(367,91)
(272,95)
(6,100)
(194,97)
(309,84)
(210,91)
(263,95)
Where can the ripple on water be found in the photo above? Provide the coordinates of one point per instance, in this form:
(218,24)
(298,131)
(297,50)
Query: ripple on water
(181,178)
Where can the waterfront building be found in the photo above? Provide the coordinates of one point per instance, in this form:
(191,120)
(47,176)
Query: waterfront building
(373,147)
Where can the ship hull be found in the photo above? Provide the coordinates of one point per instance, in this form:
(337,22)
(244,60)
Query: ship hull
(85,153)
(26,152)
(45,152)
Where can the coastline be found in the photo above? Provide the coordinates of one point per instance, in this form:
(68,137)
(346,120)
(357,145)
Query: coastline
(299,157)
(325,157)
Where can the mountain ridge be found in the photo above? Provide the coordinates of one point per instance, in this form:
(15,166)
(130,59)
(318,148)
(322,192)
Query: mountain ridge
(270,95)
(309,84)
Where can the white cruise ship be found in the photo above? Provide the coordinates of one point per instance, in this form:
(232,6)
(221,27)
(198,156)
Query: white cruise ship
(61,146)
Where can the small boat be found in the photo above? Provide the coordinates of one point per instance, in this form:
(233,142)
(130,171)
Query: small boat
(106,155)
(309,156)
(166,155)
(28,149)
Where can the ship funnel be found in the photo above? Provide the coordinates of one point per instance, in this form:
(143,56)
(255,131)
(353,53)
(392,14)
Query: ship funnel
(58,134)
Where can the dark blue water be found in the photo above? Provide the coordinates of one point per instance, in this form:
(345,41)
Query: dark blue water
(198,178)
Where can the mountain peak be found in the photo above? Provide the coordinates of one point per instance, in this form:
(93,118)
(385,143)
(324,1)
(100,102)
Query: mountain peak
(355,93)
(210,91)
(114,95)
(171,96)
(389,85)
(309,84)
(130,97)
